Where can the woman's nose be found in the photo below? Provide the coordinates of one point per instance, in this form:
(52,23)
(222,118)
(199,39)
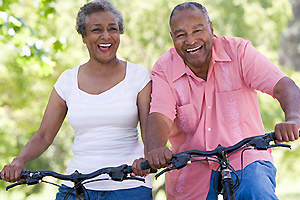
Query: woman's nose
(105,34)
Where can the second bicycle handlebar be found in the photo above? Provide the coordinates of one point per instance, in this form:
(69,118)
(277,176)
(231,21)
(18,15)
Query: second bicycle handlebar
(260,142)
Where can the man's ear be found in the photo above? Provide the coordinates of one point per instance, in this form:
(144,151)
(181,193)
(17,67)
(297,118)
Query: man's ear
(211,27)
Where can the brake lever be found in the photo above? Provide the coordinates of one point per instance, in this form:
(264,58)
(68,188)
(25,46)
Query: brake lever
(118,173)
(260,143)
(30,179)
(14,185)
(178,161)
(280,145)
(163,171)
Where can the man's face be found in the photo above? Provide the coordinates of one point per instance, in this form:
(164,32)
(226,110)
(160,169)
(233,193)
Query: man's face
(192,37)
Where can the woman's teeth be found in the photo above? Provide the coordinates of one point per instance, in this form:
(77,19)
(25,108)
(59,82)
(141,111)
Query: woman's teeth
(104,45)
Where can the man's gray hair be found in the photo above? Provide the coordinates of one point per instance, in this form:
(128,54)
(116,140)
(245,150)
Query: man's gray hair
(190,5)
(95,6)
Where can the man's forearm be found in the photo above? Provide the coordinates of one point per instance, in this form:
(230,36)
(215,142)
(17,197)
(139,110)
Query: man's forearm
(288,95)
(157,132)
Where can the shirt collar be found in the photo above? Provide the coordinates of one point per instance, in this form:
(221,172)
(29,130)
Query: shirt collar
(219,54)
(180,68)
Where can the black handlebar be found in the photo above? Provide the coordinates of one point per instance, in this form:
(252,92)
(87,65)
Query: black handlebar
(260,142)
(179,160)
(119,173)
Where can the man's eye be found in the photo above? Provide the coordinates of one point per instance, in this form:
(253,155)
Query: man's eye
(113,29)
(197,31)
(180,35)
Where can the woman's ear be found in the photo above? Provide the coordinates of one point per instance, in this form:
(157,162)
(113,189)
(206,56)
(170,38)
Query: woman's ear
(83,39)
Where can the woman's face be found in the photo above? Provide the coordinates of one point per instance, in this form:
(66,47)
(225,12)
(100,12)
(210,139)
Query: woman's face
(102,36)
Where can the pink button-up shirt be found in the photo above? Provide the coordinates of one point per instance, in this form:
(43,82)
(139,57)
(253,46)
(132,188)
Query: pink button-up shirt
(222,110)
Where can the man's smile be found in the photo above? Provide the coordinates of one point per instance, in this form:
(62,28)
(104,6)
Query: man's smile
(194,50)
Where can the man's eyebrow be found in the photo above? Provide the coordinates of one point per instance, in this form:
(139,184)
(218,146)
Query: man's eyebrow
(112,24)
(194,27)
(198,25)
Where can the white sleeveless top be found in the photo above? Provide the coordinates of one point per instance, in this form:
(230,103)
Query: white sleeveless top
(105,125)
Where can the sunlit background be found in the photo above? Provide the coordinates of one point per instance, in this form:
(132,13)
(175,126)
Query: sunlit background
(38,41)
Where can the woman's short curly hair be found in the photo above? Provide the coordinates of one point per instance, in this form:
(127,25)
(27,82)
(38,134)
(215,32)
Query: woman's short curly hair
(95,6)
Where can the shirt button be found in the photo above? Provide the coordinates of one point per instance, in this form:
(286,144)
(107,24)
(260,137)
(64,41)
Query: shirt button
(209,129)
(209,107)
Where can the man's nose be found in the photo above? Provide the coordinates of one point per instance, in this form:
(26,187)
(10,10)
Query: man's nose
(190,40)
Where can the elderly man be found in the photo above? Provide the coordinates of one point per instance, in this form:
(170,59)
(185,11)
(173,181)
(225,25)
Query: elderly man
(204,94)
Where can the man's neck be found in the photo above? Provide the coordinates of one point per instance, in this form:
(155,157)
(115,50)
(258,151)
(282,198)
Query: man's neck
(201,71)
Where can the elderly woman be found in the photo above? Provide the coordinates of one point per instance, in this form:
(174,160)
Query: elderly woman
(104,99)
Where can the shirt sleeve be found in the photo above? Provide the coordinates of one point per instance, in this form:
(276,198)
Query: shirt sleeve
(258,71)
(144,77)
(162,97)
(61,83)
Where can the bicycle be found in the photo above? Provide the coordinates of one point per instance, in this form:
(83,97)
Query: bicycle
(220,155)
(119,173)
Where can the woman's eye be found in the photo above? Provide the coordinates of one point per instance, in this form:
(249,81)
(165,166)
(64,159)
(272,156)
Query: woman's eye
(96,30)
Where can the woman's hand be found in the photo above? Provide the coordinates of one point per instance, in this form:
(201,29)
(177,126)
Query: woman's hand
(12,172)
(137,169)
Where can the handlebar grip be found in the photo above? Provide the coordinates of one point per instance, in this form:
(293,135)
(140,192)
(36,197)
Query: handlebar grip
(272,135)
(129,169)
(145,165)
(23,174)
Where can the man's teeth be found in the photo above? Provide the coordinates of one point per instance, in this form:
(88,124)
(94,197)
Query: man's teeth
(104,45)
(194,49)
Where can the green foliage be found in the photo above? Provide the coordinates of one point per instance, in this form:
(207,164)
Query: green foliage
(146,30)
(259,21)
(29,45)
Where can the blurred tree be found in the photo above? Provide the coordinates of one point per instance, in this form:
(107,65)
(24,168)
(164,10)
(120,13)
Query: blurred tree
(289,51)
(147,34)
(30,61)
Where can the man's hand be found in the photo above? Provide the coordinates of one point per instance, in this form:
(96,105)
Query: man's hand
(159,157)
(287,131)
